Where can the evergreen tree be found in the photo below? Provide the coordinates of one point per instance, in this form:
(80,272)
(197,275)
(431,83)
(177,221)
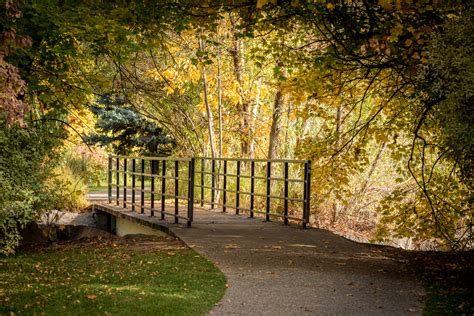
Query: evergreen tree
(126,130)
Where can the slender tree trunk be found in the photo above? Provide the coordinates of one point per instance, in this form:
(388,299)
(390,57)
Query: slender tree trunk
(219,99)
(372,170)
(337,143)
(274,144)
(287,130)
(239,68)
(210,119)
(255,109)
(363,189)
(219,106)
(338,127)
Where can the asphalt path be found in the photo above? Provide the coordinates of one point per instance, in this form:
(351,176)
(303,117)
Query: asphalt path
(274,269)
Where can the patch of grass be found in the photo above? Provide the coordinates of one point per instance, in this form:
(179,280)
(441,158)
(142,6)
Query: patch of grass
(113,279)
(95,187)
(448,300)
(448,279)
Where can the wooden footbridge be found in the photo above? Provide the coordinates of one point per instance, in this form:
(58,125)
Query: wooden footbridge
(171,188)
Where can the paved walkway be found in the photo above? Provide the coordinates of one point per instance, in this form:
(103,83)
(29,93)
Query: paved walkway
(277,270)
(273,269)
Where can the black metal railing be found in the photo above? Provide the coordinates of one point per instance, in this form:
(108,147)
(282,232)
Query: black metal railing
(159,178)
(239,181)
(273,175)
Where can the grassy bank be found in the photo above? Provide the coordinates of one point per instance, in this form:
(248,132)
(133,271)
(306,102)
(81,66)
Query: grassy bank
(110,277)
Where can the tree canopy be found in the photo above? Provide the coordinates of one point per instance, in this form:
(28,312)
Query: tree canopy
(377,94)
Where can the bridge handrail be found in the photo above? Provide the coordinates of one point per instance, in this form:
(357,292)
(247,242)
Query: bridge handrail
(256,160)
(152,158)
(121,170)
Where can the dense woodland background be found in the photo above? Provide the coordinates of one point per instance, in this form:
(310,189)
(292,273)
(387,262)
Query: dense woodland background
(378,94)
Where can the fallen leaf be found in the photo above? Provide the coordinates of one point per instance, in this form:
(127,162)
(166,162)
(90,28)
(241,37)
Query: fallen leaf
(91,296)
(231,246)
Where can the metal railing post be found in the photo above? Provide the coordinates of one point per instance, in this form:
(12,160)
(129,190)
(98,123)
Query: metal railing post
(237,189)
(163,189)
(213,183)
(285,220)
(267,204)
(152,188)
(142,196)
(117,193)
(124,182)
(307,193)
(109,182)
(134,169)
(224,198)
(252,187)
(176,191)
(191,192)
(202,182)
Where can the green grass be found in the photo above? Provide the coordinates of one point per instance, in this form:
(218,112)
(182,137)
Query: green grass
(95,187)
(448,300)
(118,280)
(448,278)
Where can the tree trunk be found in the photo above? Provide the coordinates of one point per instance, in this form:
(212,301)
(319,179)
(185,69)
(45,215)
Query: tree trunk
(276,122)
(219,100)
(287,130)
(219,106)
(336,209)
(372,169)
(210,119)
(338,127)
(255,109)
(239,68)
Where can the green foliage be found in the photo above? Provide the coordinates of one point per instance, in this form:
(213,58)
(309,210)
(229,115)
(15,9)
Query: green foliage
(34,178)
(69,186)
(127,130)
(16,210)
(25,164)
(447,82)
(441,160)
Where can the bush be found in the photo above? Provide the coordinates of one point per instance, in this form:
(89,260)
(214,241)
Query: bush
(16,210)
(27,157)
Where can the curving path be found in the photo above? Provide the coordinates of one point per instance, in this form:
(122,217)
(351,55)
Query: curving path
(278,270)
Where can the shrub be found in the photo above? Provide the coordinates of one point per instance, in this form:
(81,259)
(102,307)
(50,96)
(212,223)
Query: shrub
(26,160)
